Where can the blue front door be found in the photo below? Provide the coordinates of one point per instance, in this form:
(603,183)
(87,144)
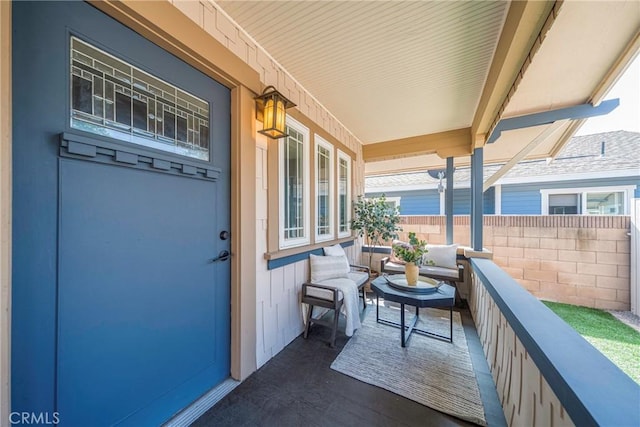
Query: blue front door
(120,314)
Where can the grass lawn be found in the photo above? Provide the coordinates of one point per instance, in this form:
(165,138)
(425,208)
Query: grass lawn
(617,341)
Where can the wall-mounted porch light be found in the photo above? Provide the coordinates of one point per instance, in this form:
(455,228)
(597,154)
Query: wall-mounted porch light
(271,107)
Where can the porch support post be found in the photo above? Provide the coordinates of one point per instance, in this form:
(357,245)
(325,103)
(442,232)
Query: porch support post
(5,212)
(448,201)
(476,199)
(243,233)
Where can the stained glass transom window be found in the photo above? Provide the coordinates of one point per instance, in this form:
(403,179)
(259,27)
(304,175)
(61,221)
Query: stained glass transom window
(112,98)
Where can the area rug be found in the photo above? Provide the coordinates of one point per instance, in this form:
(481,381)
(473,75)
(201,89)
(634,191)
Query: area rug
(434,373)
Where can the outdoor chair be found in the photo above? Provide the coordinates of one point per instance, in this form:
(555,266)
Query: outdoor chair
(335,285)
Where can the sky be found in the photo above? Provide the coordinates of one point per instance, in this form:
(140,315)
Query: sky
(627,115)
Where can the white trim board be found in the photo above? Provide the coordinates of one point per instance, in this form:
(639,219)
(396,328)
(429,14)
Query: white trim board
(194,411)
(318,142)
(306,198)
(622,173)
(343,156)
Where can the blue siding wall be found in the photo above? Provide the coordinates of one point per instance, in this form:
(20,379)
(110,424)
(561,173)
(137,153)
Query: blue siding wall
(517,199)
(489,201)
(462,201)
(427,202)
(525,199)
(419,202)
(521,200)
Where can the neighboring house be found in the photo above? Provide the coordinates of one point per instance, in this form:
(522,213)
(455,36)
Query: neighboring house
(593,175)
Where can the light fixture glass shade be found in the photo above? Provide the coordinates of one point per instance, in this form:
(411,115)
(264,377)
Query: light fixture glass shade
(280,116)
(269,114)
(273,106)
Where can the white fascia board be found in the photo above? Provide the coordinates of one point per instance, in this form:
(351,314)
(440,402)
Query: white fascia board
(416,187)
(392,189)
(623,173)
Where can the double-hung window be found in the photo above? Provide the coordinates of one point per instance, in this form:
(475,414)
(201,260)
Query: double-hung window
(324,189)
(344,194)
(587,201)
(294,185)
(314,189)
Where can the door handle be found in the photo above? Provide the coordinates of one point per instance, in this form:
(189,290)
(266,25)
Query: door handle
(222,256)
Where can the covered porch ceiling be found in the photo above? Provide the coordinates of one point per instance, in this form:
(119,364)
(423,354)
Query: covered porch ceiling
(417,82)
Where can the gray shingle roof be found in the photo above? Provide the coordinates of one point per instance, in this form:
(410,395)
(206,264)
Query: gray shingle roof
(581,154)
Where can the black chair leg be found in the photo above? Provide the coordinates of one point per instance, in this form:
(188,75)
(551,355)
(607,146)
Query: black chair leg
(308,325)
(336,315)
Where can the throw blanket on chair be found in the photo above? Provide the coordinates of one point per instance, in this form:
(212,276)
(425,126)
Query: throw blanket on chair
(350,305)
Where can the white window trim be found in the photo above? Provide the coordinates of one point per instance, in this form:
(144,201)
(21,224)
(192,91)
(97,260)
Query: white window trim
(305,240)
(321,142)
(628,191)
(396,200)
(343,156)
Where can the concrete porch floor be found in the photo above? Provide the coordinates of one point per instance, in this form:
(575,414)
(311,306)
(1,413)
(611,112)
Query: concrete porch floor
(298,388)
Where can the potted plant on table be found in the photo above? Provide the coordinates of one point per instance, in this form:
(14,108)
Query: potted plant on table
(376,220)
(411,253)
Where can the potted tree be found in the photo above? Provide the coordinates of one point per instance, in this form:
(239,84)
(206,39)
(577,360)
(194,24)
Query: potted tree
(376,220)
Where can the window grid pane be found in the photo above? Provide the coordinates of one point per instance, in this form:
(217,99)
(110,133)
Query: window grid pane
(113,98)
(342,195)
(564,204)
(324,191)
(605,203)
(293,185)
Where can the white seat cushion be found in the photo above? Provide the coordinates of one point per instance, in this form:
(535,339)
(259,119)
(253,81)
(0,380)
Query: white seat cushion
(324,294)
(358,277)
(392,266)
(427,270)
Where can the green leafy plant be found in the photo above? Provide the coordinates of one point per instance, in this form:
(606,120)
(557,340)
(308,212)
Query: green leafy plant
(376,220)
(412,251)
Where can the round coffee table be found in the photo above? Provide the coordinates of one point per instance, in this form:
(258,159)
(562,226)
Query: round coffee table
(444,296)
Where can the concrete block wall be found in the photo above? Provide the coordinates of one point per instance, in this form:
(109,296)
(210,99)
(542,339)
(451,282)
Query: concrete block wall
(581,260)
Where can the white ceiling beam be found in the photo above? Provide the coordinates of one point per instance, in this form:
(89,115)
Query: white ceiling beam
(525,22)
(550,130)
(451,143)
(611,78)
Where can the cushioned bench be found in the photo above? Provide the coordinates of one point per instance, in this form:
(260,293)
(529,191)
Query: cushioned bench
(440,263)
(438,273)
